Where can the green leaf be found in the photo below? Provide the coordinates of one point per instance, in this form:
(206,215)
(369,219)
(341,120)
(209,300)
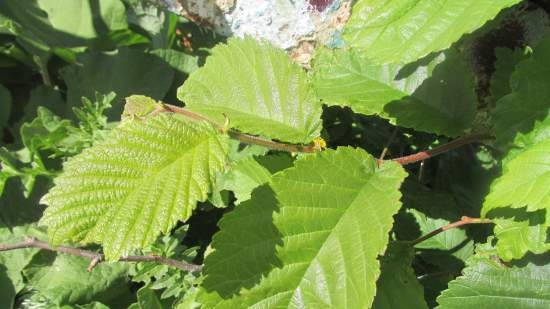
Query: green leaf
(64,23)
(126,73)
(247,174)
(486,284)
(258,88)
(520,235)
(398,286)
(179,61)
(148,299)
(12,263)
(326,204)
(524,182)
(406,30)
(518,111)
(146,176)
(434,95)
(505,65)
(65,280)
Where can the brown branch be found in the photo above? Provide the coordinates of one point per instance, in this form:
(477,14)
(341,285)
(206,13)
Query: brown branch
(426,154)
(243,137)
(251,139)
(98,257)
(463,221)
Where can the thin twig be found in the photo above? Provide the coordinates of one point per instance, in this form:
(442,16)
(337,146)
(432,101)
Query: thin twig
(98,257)
(388,143)
(463,221)
(243,137)
(426,154)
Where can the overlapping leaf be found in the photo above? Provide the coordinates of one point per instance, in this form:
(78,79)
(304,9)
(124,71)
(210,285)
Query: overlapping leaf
(398,286)
(332,215)
(436,95)
(406,30)
(148,175)
(518,111)
(257,87)
(486,284)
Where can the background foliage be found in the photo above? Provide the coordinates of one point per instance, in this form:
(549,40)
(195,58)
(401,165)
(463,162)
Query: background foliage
(275,229)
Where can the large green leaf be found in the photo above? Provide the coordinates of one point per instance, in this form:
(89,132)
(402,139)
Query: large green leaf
(529,100)
(258,88)
(435,95)
(333,213)
(398,286)
(406,30)
(144,178)
(126,73)
(486,284)
(65,280)
(505,65)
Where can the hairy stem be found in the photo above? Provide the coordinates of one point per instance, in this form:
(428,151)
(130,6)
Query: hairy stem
(251,139)
(243,137)
(426,154)
(463,221)
(96,258)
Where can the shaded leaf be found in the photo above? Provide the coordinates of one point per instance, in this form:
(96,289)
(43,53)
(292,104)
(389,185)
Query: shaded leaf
(398,286)
(125,73)
(528,102)
(434,95)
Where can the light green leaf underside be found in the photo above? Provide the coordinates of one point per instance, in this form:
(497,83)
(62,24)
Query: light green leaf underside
(488,285)
(406,30)
(524,182)
(326,204)
(398,286)
(258,88)
(123,193)
(436,95)
(529,100)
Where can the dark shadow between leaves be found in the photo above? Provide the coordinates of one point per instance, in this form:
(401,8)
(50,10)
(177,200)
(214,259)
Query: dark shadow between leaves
(245,247)
(7,290)
(519,214)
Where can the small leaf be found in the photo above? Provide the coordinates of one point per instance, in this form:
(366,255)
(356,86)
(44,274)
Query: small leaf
(258,88)
(406,30)
(326,205)
(144,178)
(518,236)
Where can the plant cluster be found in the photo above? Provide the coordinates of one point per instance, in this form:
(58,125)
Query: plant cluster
(408,168)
